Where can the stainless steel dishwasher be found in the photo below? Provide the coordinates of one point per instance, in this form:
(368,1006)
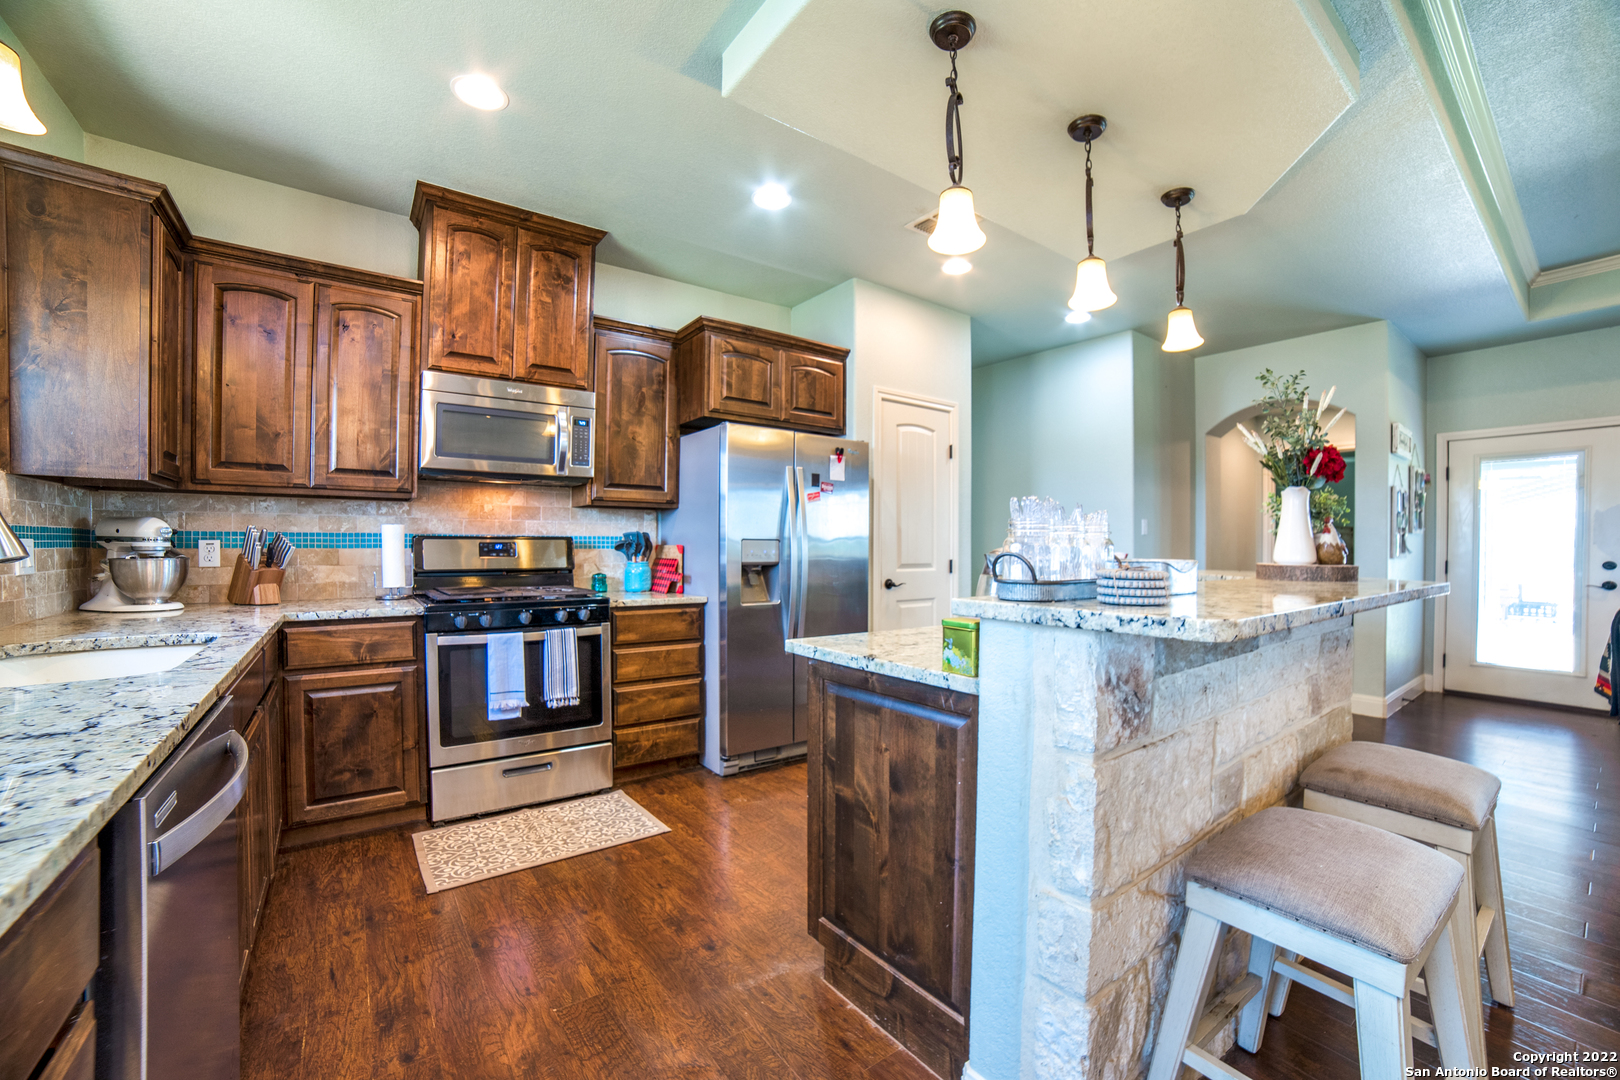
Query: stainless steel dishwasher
(167,993)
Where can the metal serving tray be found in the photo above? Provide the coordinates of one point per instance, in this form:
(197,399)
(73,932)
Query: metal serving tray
(1036,591)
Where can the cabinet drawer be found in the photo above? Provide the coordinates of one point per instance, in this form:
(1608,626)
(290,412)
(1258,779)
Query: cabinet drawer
(249,688)
(75,1057)
(658,624)
(46,960)
(646,702)
(657,742)
(657,662)
(355,643)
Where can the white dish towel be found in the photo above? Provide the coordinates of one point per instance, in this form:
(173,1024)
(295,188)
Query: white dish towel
(561,686)
(507,681)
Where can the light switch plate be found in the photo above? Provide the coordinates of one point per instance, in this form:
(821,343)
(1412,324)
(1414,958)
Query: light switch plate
(208,553)
(26,566)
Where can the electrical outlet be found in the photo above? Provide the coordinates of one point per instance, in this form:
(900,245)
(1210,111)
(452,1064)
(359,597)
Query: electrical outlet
(208,553)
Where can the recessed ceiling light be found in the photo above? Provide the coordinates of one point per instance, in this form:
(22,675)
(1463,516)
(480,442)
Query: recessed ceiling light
(480,91)
(1077,317)
(771,196)
(956,265)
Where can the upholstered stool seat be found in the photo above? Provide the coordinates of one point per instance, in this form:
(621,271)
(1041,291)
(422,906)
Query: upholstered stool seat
(1407,782)
(1446,804)
(1364,901)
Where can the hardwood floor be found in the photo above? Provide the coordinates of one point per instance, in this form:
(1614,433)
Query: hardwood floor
(683,955)
(1558,826)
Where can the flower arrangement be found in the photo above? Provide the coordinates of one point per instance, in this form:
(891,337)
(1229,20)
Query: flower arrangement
(1293,446)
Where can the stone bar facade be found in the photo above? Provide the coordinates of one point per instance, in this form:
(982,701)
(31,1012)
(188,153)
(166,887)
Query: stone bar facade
(1133,750)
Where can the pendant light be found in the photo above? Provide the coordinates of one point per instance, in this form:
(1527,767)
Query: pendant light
(956,229)
(1180,334)
(15,115)
(1091,291)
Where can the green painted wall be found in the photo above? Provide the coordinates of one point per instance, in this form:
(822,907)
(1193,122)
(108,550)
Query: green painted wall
(1571,377)
(63,136)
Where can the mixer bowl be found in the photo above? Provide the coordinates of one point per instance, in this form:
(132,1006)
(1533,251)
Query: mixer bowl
(149,579)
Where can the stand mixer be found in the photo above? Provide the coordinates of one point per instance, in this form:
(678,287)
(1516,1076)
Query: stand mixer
(141,571)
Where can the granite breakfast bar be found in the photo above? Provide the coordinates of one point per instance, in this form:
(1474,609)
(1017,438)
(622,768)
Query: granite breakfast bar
(1111,742)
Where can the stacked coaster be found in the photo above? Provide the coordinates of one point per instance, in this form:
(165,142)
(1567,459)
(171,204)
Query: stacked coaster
(1133,586)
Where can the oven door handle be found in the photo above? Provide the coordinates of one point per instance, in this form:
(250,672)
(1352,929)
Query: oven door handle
(528,635)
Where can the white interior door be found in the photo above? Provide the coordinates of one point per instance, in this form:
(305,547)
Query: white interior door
(1533,544)
(914,546)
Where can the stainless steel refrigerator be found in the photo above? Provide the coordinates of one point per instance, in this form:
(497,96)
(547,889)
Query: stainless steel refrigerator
(777,529)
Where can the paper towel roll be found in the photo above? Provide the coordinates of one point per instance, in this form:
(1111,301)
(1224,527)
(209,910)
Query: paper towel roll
(393,556)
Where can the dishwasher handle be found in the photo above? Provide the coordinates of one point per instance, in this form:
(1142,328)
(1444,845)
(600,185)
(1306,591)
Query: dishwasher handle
(172,846)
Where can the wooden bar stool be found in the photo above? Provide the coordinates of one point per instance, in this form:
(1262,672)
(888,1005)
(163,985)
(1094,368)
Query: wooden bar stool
(1446,804)
(1364,901)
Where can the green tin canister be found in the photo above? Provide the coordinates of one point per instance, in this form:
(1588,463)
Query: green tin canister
(961,646)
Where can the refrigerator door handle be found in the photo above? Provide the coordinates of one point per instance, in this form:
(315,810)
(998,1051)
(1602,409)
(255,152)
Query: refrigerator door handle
(790,532)
(801,555)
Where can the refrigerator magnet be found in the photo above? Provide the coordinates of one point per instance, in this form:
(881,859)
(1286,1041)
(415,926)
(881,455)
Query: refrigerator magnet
(835,467)
(826,487)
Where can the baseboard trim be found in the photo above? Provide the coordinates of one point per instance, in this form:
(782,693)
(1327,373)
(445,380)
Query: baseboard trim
(1390,703)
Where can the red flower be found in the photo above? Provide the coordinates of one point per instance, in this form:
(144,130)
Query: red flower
(1331,468)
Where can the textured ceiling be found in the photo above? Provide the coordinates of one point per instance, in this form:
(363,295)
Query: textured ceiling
(617,120)
(1223,98)
(1550,74)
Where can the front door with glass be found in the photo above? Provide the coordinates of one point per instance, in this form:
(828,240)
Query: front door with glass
(1533,546)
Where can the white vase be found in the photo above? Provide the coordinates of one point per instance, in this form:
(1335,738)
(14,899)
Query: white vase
(1296,546)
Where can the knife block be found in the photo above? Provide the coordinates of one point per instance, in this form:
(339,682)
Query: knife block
(257,587)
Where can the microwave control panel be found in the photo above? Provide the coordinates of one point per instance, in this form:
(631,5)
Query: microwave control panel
(579,443)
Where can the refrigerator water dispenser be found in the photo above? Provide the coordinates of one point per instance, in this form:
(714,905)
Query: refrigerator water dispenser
(761,559)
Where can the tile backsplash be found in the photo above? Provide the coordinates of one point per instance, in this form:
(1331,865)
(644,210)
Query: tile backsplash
(337,540)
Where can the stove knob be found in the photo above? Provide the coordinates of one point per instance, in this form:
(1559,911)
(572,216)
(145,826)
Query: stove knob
(485,620)
(561,615)
(525,617)
(584,614)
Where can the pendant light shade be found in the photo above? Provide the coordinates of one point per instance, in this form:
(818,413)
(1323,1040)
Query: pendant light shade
(11,549)
(1091,291)
(957,231)
(1180,333)
(15,115)
(956,228)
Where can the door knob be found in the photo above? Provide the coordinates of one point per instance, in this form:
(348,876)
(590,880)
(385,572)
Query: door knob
(1608,585)
(890,583)
(1608,564)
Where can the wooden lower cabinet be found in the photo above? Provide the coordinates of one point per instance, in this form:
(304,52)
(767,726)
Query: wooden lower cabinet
(259,815)
(657,689)
(47,958)
(892,768)
(352,743)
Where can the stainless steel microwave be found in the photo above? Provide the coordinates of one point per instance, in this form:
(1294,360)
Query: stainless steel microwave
(489,429)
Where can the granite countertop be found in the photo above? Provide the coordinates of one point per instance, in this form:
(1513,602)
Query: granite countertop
(71,754)
(1222,610)
(649,599)
(914,655)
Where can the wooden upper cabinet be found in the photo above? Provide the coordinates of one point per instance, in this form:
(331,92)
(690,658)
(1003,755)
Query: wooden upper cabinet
(507,291)
(365,403)
(90,309)
(727,371)
(637,438)
(253,370)
(472,263)
(553,330)
(814,386)
(168,358)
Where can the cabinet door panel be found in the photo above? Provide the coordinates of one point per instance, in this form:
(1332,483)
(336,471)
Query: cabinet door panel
(364,404)
(637,437)
(745,379)
(168,352)
(815,391)
(352,743)
(470,295)
(553,336)
(253,377)
(78,269)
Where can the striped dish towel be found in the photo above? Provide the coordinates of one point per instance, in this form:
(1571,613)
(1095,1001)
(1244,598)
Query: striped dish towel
(561,688)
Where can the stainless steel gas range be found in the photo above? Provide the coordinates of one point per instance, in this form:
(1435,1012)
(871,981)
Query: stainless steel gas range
(512,596)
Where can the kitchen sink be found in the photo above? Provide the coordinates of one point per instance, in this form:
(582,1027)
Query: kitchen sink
(65,667)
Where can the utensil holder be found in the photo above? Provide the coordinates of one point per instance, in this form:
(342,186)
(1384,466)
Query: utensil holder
(637,576)
(256,587)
